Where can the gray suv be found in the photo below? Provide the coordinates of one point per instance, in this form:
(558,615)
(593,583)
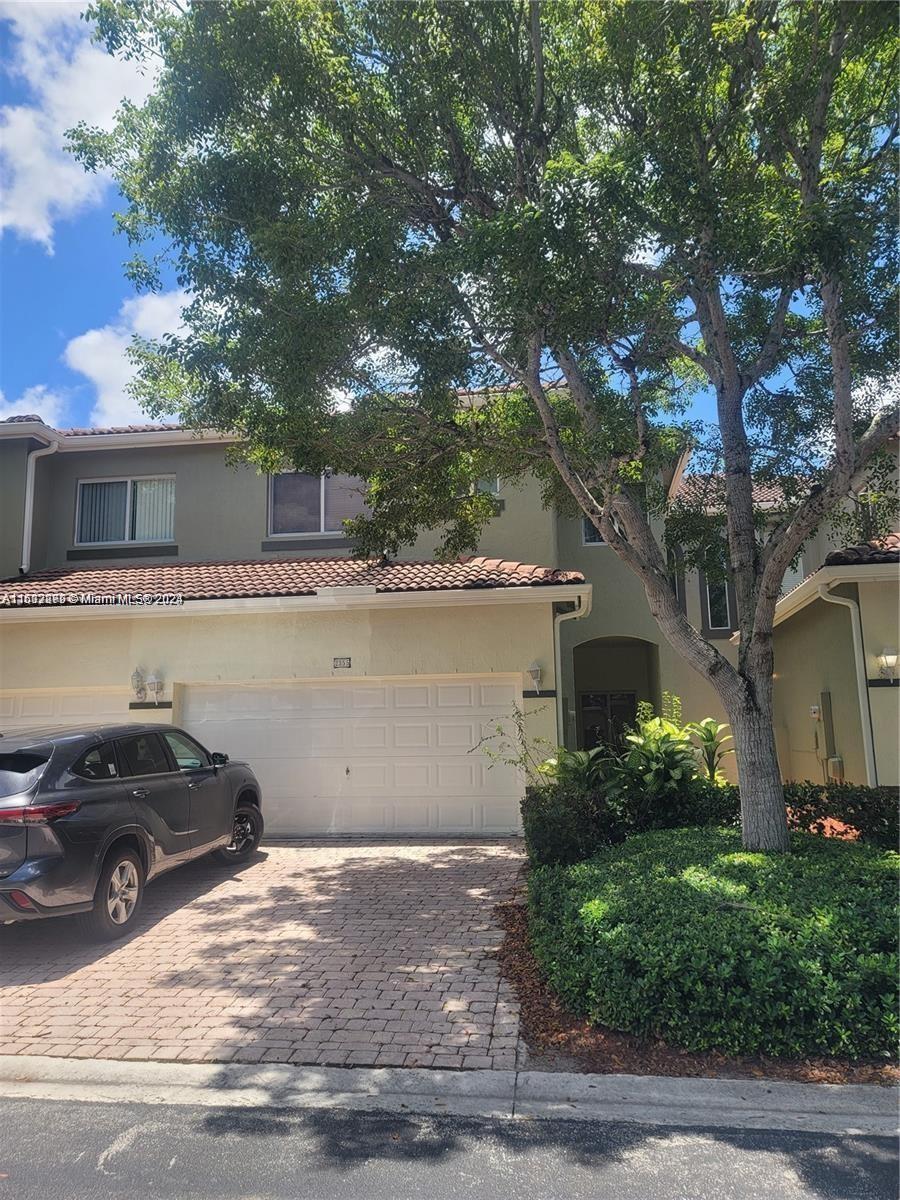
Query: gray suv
(88,816)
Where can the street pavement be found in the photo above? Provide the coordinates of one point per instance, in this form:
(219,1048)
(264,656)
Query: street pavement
(70,1150)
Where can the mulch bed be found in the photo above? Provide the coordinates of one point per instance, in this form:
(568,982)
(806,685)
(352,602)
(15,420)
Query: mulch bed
(557,1040)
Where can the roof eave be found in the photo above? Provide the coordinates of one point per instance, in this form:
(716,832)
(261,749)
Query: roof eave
(333,600)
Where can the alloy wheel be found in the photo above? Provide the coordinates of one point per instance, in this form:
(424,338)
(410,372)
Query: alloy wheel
(122,895)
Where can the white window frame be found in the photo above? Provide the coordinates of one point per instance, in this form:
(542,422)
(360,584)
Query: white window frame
(305,533)
(585,521)
(129,479)
(710,626)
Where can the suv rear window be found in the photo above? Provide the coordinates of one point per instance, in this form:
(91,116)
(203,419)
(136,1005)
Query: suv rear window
(98,763)
(19,771)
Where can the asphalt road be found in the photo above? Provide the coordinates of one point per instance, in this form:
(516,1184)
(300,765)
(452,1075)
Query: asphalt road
(68,1150)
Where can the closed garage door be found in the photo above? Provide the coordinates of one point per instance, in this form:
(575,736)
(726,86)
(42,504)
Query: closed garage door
(385,756)
(63,708)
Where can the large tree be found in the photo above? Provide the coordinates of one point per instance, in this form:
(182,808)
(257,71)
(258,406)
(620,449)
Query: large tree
(431,242)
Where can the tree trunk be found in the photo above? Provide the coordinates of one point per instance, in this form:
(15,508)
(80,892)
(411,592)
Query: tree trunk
(763,815)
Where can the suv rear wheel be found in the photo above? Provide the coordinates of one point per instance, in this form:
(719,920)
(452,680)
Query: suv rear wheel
(117,901)
(245,836)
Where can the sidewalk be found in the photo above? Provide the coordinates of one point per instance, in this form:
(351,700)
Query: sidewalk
(645,1100)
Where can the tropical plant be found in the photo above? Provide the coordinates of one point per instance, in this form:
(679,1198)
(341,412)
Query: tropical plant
(711,748)
(590,212)
(585,769)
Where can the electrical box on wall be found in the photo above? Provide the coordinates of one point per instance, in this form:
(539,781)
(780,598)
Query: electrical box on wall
(836,769)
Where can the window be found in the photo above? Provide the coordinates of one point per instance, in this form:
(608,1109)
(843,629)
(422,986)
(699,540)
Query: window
(489,485)
(97,763)
(793,576)
(19,771)
(125,510)
(186,752)
(143,754)
(313,504)
(718,607)
(590,534)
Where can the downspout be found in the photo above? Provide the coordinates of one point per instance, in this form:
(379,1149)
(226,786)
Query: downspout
(583,610)
(862,687)
(29,503)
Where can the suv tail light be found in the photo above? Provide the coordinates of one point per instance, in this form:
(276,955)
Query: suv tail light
(38,814)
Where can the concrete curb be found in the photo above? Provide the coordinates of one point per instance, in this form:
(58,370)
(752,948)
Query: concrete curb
(647,1100)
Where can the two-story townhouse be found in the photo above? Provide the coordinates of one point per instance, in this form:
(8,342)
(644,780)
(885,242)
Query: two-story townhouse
(360,691)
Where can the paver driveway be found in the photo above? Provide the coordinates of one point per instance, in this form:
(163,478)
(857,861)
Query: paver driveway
(361,953)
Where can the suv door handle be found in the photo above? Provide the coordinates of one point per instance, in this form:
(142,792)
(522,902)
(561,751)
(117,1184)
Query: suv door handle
(196,783)
(141,793)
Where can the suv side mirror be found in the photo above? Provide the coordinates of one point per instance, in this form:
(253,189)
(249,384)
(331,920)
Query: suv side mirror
(219,759)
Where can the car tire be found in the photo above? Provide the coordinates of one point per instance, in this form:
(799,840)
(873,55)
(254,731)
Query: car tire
(245,837)
(117,901)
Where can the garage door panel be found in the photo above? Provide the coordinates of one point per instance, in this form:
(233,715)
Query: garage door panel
(390,756)
(19,710)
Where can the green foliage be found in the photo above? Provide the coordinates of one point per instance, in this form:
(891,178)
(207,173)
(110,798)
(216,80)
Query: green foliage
(711,748)
(379,204)
(508,744)
(873,812)
(583,769)
(680,934)
(563,823)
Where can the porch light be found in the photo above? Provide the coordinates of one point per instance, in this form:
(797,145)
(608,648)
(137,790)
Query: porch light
(155,686)
(138,685)
(535,673)
(887,662)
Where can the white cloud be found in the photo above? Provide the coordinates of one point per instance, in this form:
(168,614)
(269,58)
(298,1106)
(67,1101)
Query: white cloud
(68,80)
(101,354)
(39,401)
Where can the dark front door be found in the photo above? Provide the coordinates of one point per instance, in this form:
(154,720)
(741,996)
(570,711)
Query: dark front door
(605,717)
(212,807)
(160,795)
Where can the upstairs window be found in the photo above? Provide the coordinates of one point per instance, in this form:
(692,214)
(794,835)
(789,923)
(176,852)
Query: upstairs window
(590,534)
(311,504)
(111,511)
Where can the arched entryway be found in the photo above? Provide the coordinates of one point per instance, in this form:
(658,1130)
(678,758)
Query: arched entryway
(612,676)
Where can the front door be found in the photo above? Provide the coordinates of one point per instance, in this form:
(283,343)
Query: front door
(160,796)
(605,717)
(212,805)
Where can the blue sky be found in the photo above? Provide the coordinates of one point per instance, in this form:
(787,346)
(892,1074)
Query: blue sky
(67,313)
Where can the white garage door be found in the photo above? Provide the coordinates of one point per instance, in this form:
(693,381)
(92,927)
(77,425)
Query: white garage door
(386,756)
(61,707)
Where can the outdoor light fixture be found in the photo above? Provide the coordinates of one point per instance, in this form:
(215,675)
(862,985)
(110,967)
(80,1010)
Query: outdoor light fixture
(887,662)
(535,672)
(139,685)
(155,686)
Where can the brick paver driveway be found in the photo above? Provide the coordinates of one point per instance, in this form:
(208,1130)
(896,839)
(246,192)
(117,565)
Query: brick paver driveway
(362,953)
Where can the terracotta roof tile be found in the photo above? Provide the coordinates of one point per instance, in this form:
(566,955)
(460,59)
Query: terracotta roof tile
(710,490)
(277,577)
(880,550)
(159,427)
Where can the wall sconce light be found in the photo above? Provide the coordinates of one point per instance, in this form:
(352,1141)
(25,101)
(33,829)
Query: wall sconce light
(535,672)
(155,686)
(139,685)
(887,662)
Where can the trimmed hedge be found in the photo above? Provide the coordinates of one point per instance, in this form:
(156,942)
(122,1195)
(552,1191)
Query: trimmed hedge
(683,935)
(873,811)
(564,824)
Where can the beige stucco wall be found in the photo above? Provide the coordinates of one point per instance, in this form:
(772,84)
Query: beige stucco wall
(524,531)
(472,639)
(814,653)
(13,457)
(879,606)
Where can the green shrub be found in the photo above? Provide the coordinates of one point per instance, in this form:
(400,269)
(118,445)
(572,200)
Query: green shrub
(684,935)
(564,823)
(872,811)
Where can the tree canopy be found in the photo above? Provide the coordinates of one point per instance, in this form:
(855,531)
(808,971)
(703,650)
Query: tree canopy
(433,242)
